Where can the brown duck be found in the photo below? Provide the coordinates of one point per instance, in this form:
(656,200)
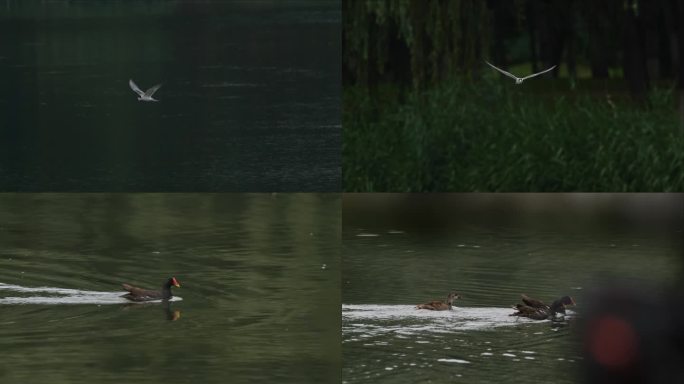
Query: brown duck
(440,305)
(537,310)
(140,294)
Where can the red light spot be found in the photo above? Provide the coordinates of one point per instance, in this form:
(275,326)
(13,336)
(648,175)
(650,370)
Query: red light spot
(612,342)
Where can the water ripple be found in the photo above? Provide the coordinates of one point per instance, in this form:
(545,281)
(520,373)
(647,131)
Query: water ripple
(66,296)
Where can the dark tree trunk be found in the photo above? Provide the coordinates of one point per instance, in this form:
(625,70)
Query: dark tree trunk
(560,14)
(670,17)
(498,46)
(599,61)
(532,10)
(634,60)
(569,31)
(666,35)
(398,59)
(595,13)
(675,36)
(544,33)
(557,47)
(648,14)
(679,6)
(371,70)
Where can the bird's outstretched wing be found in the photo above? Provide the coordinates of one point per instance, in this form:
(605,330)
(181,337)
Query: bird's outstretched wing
(534,303)
(152,90)
(135,88)
(538,73)
(512,76)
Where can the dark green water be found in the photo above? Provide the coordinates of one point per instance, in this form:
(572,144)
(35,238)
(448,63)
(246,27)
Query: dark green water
(259,296)
(250,98)
(390,264)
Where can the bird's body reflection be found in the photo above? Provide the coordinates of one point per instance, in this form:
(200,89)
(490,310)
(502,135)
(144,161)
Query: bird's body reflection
(169,313)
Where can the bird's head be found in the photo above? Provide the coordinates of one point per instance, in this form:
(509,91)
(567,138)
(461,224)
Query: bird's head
(453,296)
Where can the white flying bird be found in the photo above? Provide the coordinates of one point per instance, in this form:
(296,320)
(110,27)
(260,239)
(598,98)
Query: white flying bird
(144,96)
(519,80)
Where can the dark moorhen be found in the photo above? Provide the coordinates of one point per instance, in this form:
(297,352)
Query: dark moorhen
(440,305)
(140,294)
(537,310)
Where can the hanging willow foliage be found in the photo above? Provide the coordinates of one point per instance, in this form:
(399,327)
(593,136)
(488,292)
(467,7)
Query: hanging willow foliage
(413,42)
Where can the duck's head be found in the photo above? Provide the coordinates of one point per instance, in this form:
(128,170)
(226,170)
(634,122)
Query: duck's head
(453,296)
(174,282)
(567,300)
(559,305)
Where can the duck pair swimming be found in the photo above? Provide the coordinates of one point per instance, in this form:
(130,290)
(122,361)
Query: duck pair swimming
(530,308)
(537,310)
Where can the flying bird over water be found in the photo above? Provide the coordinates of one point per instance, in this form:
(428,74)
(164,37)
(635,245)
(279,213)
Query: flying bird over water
(144,96)
(519,80)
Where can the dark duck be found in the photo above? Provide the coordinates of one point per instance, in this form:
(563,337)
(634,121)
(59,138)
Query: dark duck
(140,294)
(537,310)
(440,305)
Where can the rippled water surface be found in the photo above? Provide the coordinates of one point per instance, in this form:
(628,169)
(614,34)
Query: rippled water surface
(250,99)
(388,270)
(257,275)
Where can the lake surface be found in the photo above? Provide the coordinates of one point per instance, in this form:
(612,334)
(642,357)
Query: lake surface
(259,296)
(391,264)
(250,98)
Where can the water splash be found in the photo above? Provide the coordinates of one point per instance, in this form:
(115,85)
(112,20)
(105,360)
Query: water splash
(407,320)
(65,296)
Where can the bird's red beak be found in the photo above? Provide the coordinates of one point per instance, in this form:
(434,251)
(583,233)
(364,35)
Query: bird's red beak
(175,282)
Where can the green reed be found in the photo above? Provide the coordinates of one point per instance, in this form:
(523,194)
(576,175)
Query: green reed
(494,136)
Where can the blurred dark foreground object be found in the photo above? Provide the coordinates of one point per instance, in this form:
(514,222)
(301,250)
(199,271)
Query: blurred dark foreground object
(633,333)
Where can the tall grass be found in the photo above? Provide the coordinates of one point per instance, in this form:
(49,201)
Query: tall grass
(493,137)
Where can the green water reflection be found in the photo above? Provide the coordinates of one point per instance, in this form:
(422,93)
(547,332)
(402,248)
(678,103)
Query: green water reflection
(259,275)
(406,249)
(250,98)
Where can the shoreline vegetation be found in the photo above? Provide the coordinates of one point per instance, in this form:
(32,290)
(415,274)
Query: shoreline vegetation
(423,112)
(493,136)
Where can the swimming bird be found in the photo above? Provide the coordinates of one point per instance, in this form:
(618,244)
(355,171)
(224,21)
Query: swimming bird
(440,305)
(140,294)
(519,80)
(144,96)
(537,310)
